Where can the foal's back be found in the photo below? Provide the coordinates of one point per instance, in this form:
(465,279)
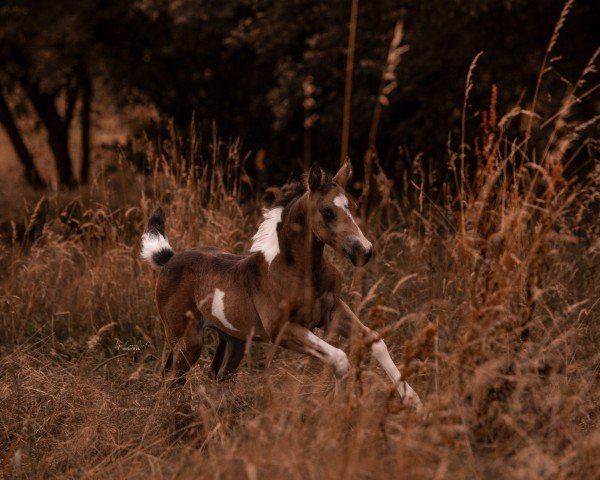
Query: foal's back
(207,286)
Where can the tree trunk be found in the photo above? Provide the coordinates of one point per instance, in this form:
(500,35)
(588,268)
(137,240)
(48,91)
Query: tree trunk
(86,110)
(6,119)
(58,137)
(58,132)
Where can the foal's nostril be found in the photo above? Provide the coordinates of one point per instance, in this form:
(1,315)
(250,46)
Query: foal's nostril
(359,252)
(360,255)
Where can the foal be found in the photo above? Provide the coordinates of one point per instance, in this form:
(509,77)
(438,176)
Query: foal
(280,292)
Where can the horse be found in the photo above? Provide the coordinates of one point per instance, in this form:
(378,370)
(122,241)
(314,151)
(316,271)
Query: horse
(280,292)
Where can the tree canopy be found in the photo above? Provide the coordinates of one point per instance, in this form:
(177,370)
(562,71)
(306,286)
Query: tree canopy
(271,71)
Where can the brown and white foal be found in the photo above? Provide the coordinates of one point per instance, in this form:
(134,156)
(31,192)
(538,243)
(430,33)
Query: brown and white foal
(280,292)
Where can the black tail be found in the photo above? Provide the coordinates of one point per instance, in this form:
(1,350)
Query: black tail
(155,246)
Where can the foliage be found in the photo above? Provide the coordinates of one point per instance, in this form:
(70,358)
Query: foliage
(243,63)
(485,293)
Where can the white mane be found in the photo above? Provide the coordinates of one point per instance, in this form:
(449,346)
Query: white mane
(265,240)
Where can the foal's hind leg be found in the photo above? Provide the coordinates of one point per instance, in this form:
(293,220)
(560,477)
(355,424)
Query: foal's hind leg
(168,364)
(186,350)
(228,356)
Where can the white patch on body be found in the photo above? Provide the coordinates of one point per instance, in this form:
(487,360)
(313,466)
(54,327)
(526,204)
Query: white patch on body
(329,354)
(407,394)
(218,309)
(153,243)
(265,240)
(341,201)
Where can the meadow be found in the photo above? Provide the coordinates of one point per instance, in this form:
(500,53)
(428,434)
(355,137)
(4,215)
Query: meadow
(486,294)
(488,302)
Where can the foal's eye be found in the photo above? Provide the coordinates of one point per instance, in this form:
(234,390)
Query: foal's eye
(327,214)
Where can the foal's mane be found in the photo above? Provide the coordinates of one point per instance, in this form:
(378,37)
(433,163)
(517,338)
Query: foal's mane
(265,239)
(293,190)
(290,192)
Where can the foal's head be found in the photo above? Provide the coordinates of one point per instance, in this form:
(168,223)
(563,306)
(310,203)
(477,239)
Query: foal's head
(330,214)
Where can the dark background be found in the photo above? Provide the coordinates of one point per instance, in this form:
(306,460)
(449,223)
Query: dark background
(242,64)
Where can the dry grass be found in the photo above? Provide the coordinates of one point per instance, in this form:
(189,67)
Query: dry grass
(490,303)
(488,300)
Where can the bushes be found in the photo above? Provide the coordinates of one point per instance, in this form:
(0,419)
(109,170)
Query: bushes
(244,63)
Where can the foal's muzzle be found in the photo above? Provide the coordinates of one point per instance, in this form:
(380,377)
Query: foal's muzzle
(359,250)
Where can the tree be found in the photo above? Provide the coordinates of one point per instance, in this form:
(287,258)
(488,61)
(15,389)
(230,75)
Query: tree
(243,64)
(45,46)
(8,122)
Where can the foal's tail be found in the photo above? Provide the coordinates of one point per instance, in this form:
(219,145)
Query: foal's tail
(155,246)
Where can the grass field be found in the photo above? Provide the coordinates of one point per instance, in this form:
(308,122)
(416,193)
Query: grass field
(486,295)
(488,302)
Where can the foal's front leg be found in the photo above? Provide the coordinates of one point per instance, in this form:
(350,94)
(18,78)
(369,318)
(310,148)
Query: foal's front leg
(301,339)
(344,322)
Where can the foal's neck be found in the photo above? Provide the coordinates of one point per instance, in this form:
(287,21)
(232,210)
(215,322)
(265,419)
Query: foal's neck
(299,246)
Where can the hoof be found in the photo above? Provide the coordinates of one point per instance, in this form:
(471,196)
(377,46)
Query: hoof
(410,398)
(340,364)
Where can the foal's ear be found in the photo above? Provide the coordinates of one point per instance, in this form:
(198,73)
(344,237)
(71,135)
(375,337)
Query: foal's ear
(315,177)
(344,174)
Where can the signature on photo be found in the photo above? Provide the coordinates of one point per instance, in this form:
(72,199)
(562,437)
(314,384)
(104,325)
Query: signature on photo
(126,346)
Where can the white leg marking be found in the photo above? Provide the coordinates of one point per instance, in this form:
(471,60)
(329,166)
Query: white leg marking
(218,309)
(382,355)
(331,355)
(341,201)
(265,240)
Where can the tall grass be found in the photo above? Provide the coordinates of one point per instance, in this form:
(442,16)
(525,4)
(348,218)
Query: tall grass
(492,313)
(488,301)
